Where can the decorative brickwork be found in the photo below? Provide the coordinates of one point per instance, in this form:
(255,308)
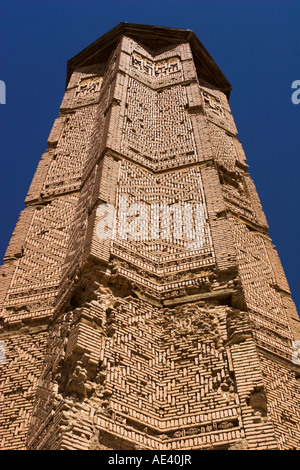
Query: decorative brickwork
(143,303)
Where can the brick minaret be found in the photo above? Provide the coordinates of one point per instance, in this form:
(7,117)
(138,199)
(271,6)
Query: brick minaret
(158,340)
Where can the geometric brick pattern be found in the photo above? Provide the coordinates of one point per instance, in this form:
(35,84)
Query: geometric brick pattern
(142,343)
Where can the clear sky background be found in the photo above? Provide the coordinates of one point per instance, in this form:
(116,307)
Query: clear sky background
(255,43)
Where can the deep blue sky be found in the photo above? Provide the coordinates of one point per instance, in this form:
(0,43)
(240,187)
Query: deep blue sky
(255,43)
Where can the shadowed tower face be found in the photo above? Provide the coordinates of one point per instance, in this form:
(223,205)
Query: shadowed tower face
(144,305)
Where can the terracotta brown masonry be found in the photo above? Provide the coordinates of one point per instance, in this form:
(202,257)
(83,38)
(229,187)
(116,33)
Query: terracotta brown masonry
(121,342)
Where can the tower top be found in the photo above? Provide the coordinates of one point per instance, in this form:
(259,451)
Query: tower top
(154,37)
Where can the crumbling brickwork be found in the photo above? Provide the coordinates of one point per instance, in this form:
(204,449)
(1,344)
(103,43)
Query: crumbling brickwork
(172,337)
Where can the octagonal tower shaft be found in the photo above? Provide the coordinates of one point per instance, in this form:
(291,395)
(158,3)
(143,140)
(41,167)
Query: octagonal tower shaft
(144,305)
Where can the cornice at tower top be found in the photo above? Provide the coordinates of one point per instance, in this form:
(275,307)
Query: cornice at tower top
(154,37)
